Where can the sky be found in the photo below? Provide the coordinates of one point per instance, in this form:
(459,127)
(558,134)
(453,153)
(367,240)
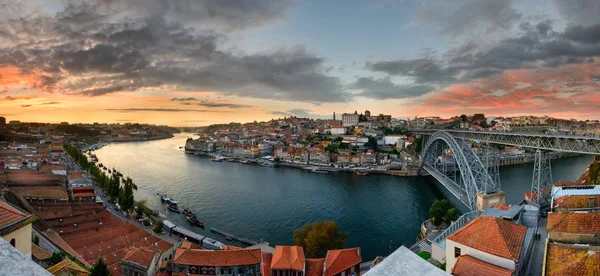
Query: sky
(199,62)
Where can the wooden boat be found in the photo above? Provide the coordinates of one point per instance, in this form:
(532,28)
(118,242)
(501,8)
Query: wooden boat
(173,208)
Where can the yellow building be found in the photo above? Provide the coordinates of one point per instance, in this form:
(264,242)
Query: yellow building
(15,227)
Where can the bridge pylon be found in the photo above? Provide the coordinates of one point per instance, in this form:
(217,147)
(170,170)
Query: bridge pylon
(541,185)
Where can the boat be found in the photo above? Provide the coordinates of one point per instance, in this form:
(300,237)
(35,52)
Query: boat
(361,173)
(229,238)
(218,158)
(315,170)
(191,218)
(173,207)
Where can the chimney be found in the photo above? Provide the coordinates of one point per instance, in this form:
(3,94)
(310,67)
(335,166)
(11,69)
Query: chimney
(591,202)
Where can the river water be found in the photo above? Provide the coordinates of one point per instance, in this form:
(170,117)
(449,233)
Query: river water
(380,212)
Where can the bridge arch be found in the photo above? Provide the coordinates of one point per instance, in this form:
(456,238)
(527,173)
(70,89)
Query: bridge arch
(474,175)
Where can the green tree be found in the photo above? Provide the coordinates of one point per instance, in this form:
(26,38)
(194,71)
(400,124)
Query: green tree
(319,237)
(438,211)
(36,240)
(463,118)
(333,148)
(57,257)
(418,144)
(100,269)
(158,227)
(451,215)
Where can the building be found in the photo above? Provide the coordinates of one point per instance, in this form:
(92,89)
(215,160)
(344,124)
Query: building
(15,227)
(350,119)
(567,259)
(467,265)
(68,268)
(140,261)
(574,227)
(337,130)
(2,121)
(40,255)
(342,262)
(393,139)
(288,261)
(495,241)
(190,260)
(14,123)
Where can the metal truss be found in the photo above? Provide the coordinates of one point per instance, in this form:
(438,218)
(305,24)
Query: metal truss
(542,178)
(443,154)
(563,143)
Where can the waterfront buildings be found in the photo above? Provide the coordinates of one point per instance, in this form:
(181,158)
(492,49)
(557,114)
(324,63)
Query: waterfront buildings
(288,260)
(190,259)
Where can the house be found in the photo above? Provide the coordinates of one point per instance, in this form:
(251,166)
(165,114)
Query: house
(566,259)
(342,262)
(393,139)
(337,130)
(140,261)
(489,239)
(288,261)
(574,227)
(467,266)
(68,268)
(15,227)
(315,267)
(216,262)
(404,262)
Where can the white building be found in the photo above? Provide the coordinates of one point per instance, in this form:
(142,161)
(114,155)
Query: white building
(350,119)
(338,130)
(486,244)
(393,139)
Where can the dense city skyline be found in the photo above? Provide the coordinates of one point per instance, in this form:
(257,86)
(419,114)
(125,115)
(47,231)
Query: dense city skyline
(202,62)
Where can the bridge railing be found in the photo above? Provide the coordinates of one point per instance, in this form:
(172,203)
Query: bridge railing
(440,240)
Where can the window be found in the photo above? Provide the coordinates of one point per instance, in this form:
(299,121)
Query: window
(456,252)
(13,242)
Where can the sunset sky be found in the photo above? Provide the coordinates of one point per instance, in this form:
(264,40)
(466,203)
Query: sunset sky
(197,62)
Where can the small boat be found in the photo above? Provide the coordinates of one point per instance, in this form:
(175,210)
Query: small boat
(315,170)
(361,173)
(218,158)
(229,238)
(194,221)
(212,229)
(173,208)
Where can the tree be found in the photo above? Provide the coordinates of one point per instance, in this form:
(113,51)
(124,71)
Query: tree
(57,257)
(36,240)
(419,144)
(463,118)
(319,237)
(478,117)
(100,269)
(158,227)
(439,210)
(451,215)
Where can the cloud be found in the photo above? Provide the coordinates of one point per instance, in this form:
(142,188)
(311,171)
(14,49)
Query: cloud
(298,112)
(384,88)
(461,16)
(50,103)
(584,12)
(183,99)
(162,110)
(114,46)
(25,105)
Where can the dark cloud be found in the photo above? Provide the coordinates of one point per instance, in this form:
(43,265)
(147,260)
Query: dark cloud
(580,12)
(25,105)
(50,103)
(121,45)
(183,99)
(162,110)
(228,105)
(537,47)
(384,88)
(461,16)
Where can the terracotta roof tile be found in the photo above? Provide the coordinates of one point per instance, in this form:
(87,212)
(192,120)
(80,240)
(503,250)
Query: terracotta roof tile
(288,257)
(469,266)
(39,253)
(574,222)
(492,235)
(68,267)
(10,215)
(562,259)
(315,267)
(141,256)
(577,201)
(265,264)
(340,260)
(217,257)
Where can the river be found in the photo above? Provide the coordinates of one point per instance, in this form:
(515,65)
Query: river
(380,212)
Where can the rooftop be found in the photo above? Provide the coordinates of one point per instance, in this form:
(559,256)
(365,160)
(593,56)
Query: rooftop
(12,219)
(563,259)
(314,267)
(217,257)
(340,260)
(492,235)
(68,267)
(141,256)
(574,222)
(288,257)
(469,266)
(404,262)
(39,253)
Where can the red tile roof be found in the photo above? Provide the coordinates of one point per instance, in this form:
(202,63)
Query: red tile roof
(39,253)
(577,201)
(492,235)
(288,257)
(141,256)
(315,267)
(217,257)
(265,264)
(10,215)
(341,259)
(562,259)
(502,207)
(574,222)
(469,266)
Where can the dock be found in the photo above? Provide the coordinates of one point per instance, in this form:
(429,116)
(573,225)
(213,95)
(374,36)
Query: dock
(243,240)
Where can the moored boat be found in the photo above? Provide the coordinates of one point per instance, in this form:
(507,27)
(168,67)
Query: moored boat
(173,208)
